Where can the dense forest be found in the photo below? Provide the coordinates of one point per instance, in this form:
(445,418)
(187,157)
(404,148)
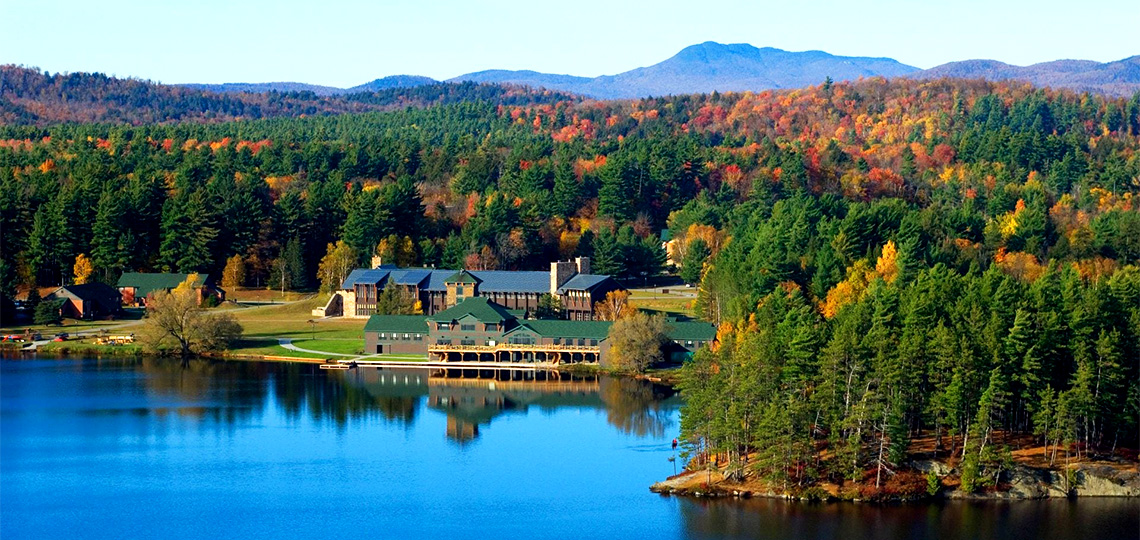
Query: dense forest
(884,258)
(28,96)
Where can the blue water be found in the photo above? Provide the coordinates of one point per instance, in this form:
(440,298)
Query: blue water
(155,449)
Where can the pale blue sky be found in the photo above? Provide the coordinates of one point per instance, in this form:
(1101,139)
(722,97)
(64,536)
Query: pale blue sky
(348,42)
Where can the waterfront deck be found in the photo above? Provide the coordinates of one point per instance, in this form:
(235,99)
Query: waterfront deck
(430,364)
(515,354)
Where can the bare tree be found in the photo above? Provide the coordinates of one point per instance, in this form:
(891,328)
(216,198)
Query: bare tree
(175,319)
(636,341)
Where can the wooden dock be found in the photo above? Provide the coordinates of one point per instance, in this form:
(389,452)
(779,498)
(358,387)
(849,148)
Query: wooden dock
(433,364)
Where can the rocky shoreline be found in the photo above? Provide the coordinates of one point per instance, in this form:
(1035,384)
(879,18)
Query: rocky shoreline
(1096,479)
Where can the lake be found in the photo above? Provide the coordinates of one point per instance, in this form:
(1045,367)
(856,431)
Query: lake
(157,449)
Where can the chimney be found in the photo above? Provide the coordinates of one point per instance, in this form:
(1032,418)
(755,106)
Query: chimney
(377,261)
(583,264)
(560,273)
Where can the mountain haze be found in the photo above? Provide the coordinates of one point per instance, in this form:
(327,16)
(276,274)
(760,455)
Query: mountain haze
(384,83)
(709,67)
(1119,78)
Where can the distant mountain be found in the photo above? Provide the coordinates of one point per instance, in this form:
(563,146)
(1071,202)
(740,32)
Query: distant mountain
(391,81)
(29,96)
(385,83)
(257,88)
(711,66)
(1119,78)
(707,67)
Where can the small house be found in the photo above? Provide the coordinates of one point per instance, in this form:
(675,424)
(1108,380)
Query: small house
(88,301)
(135,287)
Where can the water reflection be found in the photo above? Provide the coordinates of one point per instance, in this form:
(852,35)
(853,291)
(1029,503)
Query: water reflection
(228,392)
(474,398)
(1043,520)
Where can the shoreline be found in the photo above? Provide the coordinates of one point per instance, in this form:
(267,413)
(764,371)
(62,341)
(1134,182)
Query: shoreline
(1093,479)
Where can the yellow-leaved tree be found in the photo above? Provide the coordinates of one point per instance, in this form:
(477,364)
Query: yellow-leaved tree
(233,275)
(82,269)
(338,261)
(614,306)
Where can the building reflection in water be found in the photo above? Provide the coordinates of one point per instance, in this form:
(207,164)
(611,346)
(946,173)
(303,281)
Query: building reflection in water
(474,398)
(225,392)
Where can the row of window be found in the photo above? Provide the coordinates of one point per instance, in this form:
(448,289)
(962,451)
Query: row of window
(401,337)
(489,327)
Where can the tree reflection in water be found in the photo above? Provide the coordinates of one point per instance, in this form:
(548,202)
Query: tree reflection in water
(229,391)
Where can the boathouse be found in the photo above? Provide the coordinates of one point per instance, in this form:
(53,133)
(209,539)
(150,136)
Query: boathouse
(479,330)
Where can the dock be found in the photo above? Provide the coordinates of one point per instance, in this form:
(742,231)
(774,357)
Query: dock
(435,364)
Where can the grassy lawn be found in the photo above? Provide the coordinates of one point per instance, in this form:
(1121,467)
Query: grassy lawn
(339,346)
(263,324)
(244,294)
(664,303)
(72,326)
(89,346)
(291,321)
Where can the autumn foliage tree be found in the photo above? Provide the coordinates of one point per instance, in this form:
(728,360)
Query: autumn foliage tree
(335,266)
(82,269)
(614,306)
(233,275)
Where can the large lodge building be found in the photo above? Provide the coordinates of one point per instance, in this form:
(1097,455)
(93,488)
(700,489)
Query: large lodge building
(569,281)
(479,330)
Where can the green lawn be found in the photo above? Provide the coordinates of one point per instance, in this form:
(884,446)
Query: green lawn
(339,346)
(664,303)
(72,326)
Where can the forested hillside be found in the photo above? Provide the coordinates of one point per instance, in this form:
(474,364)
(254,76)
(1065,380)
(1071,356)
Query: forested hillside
(884,258)
(28,96)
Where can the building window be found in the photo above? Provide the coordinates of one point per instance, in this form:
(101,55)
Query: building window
(593,343)
(419,337)
(467,342)
(557,341)
(491,327)
(467,327)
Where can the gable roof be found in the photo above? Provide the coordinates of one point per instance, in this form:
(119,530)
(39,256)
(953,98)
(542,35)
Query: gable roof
(582,282)
(370,276)
(100,293)
(489,281)
(478,307)
(556,328)
(462,276)
(690,330)
(146,283)
(527,281)
(407,324)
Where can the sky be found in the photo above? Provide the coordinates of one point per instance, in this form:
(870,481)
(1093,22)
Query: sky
(348,42)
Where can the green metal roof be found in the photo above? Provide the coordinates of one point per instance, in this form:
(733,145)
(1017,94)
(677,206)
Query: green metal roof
(462,276)
(146,283)
(569,329)
(478,307)
(691,330)
(397,323)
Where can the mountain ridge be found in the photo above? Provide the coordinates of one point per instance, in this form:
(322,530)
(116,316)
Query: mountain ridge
(711,66)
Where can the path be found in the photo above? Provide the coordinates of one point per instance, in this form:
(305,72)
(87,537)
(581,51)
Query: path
(288,344)
(88,332)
